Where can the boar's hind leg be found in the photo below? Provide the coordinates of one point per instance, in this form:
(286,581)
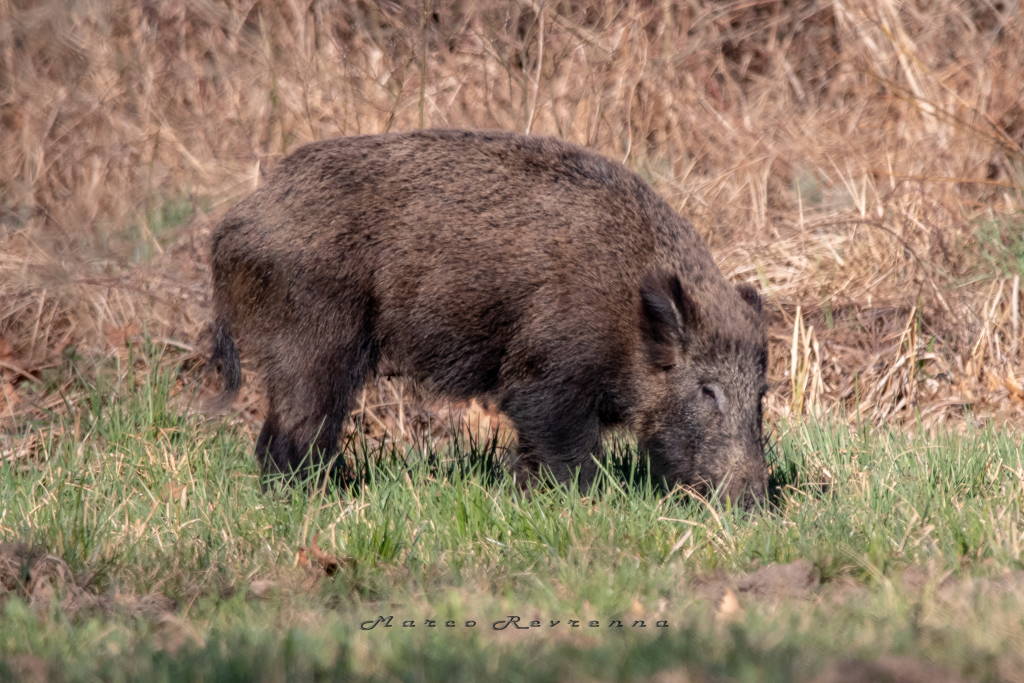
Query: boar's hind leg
(562,435)
(308,403)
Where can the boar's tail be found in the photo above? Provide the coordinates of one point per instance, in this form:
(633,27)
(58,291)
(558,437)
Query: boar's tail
(225,359)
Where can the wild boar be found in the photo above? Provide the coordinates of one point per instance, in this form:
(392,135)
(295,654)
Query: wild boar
(524,270)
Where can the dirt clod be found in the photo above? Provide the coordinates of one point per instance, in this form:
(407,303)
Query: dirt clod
(26,668)
(888,669)
(795,579)
(262,588)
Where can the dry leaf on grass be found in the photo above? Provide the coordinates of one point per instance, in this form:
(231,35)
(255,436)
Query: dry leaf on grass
(1014,387)
(119,336)
(729,606)
(8,396)
(6,350)
(312,557)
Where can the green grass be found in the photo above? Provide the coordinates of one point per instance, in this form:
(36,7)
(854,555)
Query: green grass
(1001,242)
(139,497)
(155,227)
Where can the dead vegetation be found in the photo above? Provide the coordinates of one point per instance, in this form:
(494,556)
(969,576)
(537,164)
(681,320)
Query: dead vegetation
(861,162)
(44,581)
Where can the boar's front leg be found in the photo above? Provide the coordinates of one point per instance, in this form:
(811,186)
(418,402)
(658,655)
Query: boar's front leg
(558,429)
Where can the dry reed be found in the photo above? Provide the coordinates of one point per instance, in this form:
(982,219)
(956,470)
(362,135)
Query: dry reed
(861,162)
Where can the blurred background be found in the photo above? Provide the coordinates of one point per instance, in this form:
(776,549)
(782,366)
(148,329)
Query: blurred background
(861,162)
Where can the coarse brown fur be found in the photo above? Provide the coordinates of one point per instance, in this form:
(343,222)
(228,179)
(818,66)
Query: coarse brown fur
(489,264)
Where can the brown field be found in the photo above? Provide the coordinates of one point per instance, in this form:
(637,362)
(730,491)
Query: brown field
(861,162)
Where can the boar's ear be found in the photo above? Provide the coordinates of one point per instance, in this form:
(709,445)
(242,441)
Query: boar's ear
(669,318)
(750,295)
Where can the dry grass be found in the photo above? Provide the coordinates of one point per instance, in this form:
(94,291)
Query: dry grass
(862,162)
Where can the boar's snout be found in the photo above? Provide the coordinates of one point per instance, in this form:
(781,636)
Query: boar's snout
(738,475)
(746,481)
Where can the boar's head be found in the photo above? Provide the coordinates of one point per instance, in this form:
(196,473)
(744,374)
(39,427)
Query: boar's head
(703,379)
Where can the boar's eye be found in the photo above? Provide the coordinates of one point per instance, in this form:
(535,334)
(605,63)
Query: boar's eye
(713,393)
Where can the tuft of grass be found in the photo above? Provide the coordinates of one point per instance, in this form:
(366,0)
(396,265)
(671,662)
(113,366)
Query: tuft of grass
(160,226)
(1002,244)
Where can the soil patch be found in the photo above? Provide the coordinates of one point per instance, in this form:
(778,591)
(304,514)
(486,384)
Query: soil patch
(799,579)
